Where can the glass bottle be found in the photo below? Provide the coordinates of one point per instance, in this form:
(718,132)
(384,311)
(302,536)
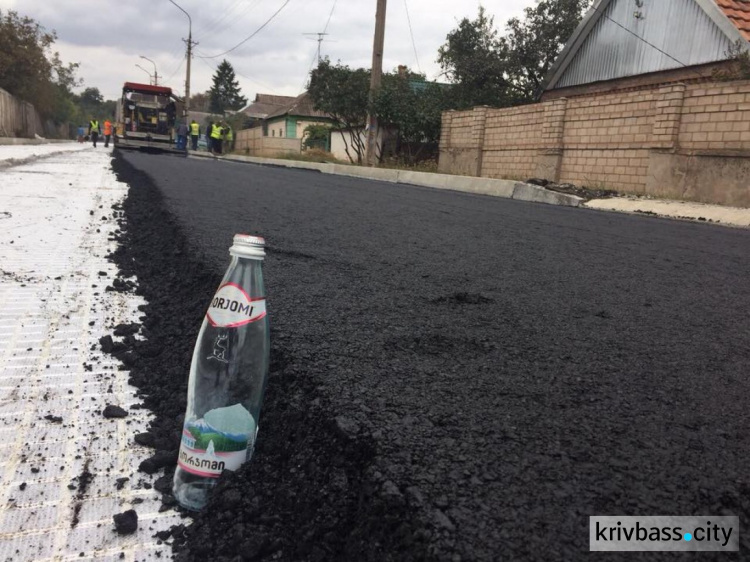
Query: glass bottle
(227,378)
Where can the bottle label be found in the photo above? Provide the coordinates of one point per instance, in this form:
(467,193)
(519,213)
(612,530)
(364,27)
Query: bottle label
(206,452)
(232,307)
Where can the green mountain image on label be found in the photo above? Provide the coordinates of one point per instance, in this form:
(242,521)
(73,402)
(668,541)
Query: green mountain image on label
(222,443)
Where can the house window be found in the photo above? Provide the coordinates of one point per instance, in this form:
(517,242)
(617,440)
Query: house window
(281,132)
(273,133)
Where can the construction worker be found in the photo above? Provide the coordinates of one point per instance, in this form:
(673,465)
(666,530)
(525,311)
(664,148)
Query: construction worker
(216,133)
(94,130)
(228,138)
(182,132)
(195,132)
(107,132)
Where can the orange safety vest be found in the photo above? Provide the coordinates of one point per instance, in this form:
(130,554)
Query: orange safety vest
(107,128)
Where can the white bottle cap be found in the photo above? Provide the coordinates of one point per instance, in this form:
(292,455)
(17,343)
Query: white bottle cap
(248,246)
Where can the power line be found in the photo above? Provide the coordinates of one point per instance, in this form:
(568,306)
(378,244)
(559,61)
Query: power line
(312,63)
(329,16)
(413,44)
(253,34)
(325,29)
(237,73)
(175,72)
(211,25)
(235,19)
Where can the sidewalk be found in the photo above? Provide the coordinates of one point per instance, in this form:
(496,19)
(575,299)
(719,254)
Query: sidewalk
(718,214)
(67,469)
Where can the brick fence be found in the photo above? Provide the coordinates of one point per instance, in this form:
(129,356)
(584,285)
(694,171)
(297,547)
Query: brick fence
(251,142)
(679,141)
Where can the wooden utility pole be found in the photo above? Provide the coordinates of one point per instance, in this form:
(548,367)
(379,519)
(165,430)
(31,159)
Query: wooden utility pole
(376,75)
(187,76)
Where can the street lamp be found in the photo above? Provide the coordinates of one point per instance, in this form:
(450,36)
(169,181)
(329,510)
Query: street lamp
(156,76)
(146,71)
(189,57)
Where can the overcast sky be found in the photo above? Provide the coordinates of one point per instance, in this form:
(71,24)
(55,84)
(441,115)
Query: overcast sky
(107,37)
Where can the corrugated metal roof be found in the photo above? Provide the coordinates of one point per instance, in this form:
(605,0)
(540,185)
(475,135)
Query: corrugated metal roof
(738,11)
(660,35)
(620,38)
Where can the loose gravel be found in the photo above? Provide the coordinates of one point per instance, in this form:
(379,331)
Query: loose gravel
(454,377)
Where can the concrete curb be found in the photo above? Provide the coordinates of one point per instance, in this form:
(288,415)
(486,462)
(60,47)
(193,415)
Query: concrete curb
(509,189)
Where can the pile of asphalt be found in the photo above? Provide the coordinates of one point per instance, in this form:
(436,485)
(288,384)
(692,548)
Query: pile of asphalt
(586,193)
(454,377)
(310,492)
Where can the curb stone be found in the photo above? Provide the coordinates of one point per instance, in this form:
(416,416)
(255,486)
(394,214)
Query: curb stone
(508,189)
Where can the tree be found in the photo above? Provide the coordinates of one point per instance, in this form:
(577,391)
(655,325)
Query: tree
(91,96)
(28,70)
(415,106)
(316,136)
(488,69)
(532,45)
(200,102)
(342,93)
(225,92)
(473,60)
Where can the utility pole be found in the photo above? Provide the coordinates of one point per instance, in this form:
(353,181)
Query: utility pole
(187,77)
(376,75)
(189,57)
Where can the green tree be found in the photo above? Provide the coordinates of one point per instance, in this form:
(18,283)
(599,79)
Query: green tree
(92,97)
(473,59)
(29,71)
(342,93)
(487,69)
(415,106)
(225,92)
(532,45)
(316,135)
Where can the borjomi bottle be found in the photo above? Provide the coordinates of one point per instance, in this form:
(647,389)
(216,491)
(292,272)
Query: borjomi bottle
(227,378)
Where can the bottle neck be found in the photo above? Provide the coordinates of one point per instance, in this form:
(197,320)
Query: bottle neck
(247,273)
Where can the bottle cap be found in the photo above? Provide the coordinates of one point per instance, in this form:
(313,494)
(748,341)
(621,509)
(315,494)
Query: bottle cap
(248,246)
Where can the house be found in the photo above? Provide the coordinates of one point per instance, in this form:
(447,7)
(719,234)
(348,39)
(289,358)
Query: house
(647,97)
(634,43)
(290,120)
(264,105)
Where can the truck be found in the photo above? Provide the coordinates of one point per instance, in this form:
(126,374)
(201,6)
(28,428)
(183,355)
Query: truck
(145,117)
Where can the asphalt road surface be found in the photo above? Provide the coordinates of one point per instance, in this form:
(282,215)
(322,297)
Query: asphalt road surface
(455,377)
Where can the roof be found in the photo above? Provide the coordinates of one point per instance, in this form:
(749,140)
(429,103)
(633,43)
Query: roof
(302,106)
(613,40)
(265,104)
(738,11)
(148,88)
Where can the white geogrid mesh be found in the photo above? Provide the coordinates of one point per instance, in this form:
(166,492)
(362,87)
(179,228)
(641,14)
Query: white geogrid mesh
(53,310)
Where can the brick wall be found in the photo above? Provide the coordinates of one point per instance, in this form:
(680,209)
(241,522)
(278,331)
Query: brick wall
(653,139)
(512,137)
(716,118)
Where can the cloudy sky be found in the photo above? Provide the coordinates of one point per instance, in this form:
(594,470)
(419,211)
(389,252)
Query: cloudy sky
(108,37)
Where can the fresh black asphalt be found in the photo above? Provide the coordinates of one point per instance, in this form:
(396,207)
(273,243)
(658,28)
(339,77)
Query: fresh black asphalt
(455,377)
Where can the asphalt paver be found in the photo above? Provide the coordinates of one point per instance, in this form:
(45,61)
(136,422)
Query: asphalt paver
(454,377)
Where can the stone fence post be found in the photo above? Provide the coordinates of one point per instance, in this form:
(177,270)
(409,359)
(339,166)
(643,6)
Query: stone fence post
(549,158)
(667,118)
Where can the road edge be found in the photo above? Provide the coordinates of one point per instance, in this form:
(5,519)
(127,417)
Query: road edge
(508,189)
